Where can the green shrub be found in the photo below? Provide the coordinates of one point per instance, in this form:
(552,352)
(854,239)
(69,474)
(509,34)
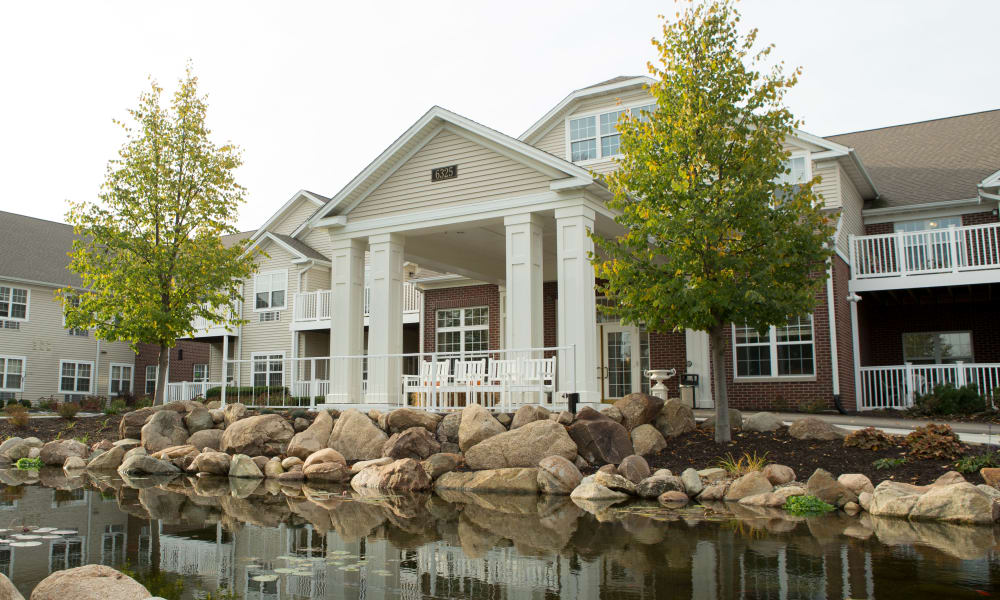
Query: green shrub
(244,391)
(28,464)
(68,410)
(115,407)
(18,415)
(884,464)
(25,403)
(807,505)
(933,441)
(946,399)
(871,438)
(298,413)
(973,463)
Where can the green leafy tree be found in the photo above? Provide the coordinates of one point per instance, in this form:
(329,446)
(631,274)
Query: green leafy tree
(711,236)
(149,251)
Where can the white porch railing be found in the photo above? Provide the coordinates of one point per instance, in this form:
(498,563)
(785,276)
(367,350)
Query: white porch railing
(897,386)
(189,390)
(905,253)
(203,326)
(317,305)
(431,381)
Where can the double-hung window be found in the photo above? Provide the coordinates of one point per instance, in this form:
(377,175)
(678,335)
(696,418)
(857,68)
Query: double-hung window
(74,377)
(150,386)
(121,380)
(13,303)
(596,136)
(269,370)
(74,301)
(200,373)
(270,290)
(463,330)
(784,351)
(11,373)
(937,347)
(798,170)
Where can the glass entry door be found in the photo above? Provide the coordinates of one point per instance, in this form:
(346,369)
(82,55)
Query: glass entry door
(624,355)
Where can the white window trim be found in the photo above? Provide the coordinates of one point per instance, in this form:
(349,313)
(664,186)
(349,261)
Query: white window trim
(773,345)
(597,122)
(3,373)
(27,303)
(463,328)
(902,339)
(194,369)
(145,380)
(76,376)
(72,330)
(253,358)
(804,154)
(131,379)
(253,297)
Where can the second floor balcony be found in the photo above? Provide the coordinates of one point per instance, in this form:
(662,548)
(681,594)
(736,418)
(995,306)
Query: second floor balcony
(205,328)
(311,310)
(930,258)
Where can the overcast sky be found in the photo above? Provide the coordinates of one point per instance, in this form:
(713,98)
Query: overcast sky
(313,91)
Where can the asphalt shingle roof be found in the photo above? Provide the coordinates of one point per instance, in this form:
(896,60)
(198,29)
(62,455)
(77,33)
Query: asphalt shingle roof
(302,247)
(36,250)
(930,161)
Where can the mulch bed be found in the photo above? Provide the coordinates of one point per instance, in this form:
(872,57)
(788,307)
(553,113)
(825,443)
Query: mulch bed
(987,417)
(698,449)
(46,429)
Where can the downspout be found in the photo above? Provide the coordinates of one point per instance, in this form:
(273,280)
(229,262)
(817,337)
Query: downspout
(97,369)
(832,319)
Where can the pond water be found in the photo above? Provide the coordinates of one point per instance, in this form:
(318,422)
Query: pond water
(190,537)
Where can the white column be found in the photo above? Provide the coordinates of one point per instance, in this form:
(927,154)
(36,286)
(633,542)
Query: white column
(576,313)
(524,281)
(385,318)
(853,299)
(347,319)
(699,362)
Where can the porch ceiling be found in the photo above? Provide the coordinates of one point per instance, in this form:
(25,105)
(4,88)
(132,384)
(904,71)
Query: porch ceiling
(953,294)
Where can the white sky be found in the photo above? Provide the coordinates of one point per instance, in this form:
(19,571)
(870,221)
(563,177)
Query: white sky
(313,91)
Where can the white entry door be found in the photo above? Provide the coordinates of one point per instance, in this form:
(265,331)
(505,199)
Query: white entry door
(621,360)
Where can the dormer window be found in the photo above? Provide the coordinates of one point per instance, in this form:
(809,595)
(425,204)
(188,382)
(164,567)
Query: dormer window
(799,170)
(596,136)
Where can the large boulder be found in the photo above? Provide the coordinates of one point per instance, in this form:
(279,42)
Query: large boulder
(674,419)
(163,430)
(198,418)
(416,442)
(522,447)
(233,412)
(477,424)
(634,468)
(263,435)
(143,464)
(647,440)
(243,467)
(763,421)
(404,475)
(614,481)
(735,421)
(750,484)
(528,413)
(779,474)
(956,503)
(131,424)
(556,475)
(89,582)
(326,455)
(438,464)
(508,481)
(638,409)
(107,461)
(692,482)
(212,463)
(856,482)
(596,492)
(313,438)
(811,428)
(822,485)
(404,418)
(206,438)
(356,437)
(447,430)
(56,453)
(328,472)
(7,589)
(657,485)
(990,475)
(601,441)
(14,448)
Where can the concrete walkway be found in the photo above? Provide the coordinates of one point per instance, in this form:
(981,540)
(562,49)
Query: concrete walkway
(971,433)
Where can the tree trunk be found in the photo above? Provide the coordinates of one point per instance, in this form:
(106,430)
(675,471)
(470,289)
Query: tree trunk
(717,338)
(163,363)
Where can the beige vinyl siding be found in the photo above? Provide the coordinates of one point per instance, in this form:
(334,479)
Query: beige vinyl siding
(43,342)
(316,278)
(829,186)
(296,215)
(319,240)
(482,174)
(554,140)
(611,101)
(851,222)
(272,336)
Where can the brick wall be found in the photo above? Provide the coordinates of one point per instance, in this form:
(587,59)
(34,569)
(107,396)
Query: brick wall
(183,357)
(980,218)
(845,340)
(669,351)
(461,297)
(878,228)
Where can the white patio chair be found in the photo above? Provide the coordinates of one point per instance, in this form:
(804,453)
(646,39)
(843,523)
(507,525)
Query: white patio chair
(470,377)
(500,376)
(536,375)
(428,382)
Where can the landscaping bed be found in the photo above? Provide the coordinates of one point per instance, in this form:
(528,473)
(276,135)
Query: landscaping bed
(92,429)
(699,450)
(983,417)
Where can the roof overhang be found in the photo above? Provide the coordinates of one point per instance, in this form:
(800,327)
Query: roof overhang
(268,237)
(299,195)
(989,188)
(848,159)
(435,120)
(559,110)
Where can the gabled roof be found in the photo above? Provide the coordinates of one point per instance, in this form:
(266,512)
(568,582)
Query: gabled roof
(929,161)
(426,127)
(36,250)
(615,84)
(297,248)
(312,197)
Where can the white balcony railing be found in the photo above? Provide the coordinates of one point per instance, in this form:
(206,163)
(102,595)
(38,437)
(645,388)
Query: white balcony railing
(316,306)
(897,386)
(906,253)
(203,326)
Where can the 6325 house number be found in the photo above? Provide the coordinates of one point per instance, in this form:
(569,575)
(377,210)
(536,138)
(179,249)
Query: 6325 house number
(444,173)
